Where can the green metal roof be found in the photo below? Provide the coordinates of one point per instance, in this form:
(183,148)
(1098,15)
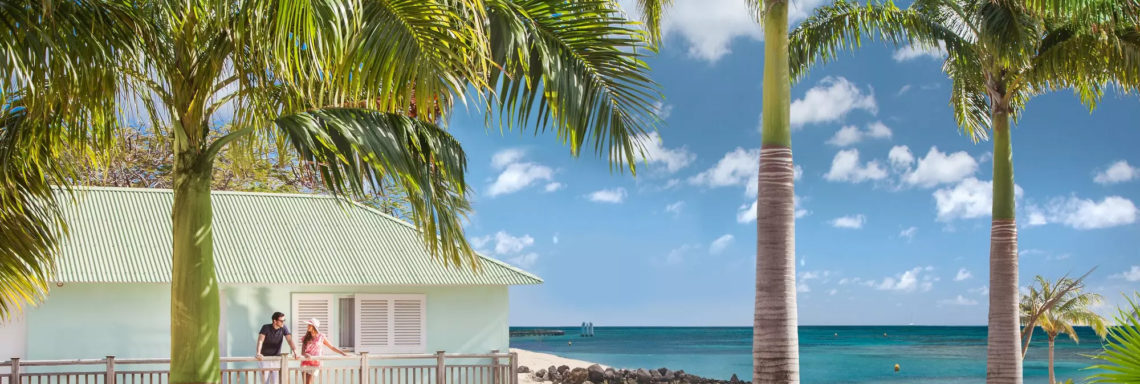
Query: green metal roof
(123,235)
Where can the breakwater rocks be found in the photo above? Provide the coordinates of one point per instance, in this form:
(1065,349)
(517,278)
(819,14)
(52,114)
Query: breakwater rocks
(595,374)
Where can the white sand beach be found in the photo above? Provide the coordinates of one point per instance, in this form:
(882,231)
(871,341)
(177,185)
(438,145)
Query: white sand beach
(537,360)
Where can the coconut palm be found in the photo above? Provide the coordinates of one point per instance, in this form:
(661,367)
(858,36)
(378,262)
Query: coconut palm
(998,55)
(1118,360)
(775,341)
(357,90)
(1057,308)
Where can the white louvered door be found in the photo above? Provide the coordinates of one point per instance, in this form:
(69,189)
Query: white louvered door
(311,306)
(391,323)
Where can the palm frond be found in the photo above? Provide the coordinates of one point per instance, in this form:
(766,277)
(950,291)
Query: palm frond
(354,149)
(651,12)
(967,93)
(575,67)
(1120,359)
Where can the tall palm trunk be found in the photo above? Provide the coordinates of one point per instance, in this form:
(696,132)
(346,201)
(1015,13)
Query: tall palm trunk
(1003,347)
(194,305)
(775,342)
(1052,377)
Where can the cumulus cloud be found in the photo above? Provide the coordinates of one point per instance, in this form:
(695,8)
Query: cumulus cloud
(915,279)
(911,52)
(504,245)
(963,274)
(960,300)
(846,167)
(969,199)
(737,168)
(551,187)
(524,261)
(720,244)
(516,174)
(612,196)
(938,168)
(1084,213)
(851,134)
(662,110)
(850,222)
(830,101)
(908,233)
(655,153)
(1129,275)
(900,157)
(1118,172)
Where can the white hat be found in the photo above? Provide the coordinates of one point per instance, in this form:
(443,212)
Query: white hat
(314,322)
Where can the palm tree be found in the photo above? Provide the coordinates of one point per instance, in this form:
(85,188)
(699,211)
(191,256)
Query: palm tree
(999,54)
(358,90)
(1118,360)
(1070,307)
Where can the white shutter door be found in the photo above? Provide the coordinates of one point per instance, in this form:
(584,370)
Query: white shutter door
(310,306)
(408,324)
(373,323)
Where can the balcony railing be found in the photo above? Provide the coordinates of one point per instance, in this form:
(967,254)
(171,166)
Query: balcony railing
(438,368)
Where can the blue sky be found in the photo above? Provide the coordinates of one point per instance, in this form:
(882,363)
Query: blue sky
(893,201)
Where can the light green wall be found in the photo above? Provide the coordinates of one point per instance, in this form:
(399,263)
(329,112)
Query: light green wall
(133,320)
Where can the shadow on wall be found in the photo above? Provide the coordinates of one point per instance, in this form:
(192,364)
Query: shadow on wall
(247,309)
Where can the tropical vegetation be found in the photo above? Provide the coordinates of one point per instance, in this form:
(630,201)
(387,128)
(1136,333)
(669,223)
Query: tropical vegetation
(358,91)
(1057,307)
(999,54)
(1120,360)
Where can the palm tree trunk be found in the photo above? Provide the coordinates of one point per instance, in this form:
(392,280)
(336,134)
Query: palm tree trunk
(1028,338)
(1003,357)
(194,305)
(1052,378)
(775,342)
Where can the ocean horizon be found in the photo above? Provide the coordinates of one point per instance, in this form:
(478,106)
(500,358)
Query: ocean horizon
(828,353)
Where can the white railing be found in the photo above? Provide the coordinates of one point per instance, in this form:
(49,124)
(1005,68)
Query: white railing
(438,368)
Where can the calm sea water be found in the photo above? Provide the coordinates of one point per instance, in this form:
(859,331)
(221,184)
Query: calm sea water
(850,354)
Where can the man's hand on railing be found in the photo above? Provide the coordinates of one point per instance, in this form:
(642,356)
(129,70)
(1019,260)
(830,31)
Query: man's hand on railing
(258,356)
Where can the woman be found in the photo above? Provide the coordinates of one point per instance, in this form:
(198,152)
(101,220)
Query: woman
(311,346)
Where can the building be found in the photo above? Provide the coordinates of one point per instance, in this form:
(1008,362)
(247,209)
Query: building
(363,273)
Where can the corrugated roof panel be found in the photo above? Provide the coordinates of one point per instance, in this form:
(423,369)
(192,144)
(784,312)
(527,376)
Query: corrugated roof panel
(124,235)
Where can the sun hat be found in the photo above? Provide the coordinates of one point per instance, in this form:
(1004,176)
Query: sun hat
(314,322)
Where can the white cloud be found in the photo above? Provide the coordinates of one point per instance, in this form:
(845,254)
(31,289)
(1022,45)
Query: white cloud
(832,292)
(903,90)
(1130,275)
(813,275)
(911,52)
(662,110)
(960,300)
(908,281)
(939,168)
(551,187)
(851,134)
(845,167)
(969,199)
(677,255)
(1118,172)
(613,196)
(517,174)
(655,152)
(900,157)
(554,239)
(797,172)
(507,244)
(802,287)
(963,274)
(747,212)
(720,244)
(675,208)
(850,222)
(1084,213)
(830,101)
(524,261)
(981,291)
(709,27)
(908,233)
(736,168)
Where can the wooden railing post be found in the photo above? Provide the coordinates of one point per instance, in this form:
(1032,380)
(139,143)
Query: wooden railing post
(514,379)
(110,378)
(364,368)
(283,373)
(495,367)
(440,370)
(14,376)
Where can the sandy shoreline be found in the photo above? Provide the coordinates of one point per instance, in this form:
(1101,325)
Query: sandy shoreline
(538,360)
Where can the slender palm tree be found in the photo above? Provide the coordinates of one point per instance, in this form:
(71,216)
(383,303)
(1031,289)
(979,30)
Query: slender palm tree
(775,338)
(999,54)
(359,90)
(1070,307)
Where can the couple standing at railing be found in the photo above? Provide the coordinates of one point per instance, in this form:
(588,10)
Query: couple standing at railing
(269,342)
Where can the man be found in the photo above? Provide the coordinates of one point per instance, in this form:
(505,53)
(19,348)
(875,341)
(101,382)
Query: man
(269,344)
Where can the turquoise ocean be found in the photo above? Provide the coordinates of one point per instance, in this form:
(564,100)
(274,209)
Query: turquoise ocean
(828,354)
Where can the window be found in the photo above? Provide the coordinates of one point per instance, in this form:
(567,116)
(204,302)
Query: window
(373,323)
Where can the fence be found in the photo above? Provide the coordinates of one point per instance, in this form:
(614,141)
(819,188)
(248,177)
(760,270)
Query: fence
(438,368)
